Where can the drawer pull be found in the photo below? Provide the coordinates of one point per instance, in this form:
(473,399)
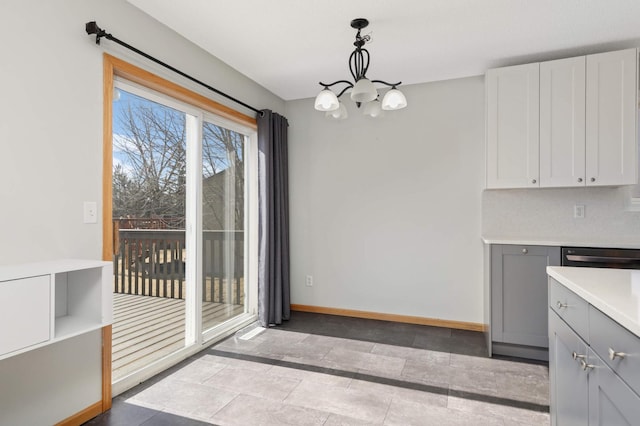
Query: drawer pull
(561,305)
(576,355)
(613,354)
(586,367)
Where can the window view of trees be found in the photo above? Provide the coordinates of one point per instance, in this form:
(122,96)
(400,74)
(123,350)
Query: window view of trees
(223,178)
(150,150)
(149,172)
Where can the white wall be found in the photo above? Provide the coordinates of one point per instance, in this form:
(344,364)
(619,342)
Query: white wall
(385,214)
(51,162)
(51,115)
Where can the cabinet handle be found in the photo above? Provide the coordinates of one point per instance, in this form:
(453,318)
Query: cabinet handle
(593,179)
(579,179)
(613,354)
(533,181)
(525,251)
(586,367)
(576,355)
(561,305)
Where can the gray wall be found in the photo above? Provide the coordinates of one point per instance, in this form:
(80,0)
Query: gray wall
(388,215)
(51,115)
(385,214)
(51,162)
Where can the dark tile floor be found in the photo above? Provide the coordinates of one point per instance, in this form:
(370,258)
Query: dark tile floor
(330,370)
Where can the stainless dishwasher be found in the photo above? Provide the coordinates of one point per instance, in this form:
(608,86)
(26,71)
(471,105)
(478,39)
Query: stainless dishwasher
(592,257)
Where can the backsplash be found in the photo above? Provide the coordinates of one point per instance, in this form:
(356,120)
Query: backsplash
(547,213)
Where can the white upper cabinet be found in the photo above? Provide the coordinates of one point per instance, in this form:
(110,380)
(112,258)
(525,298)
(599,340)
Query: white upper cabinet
(562,122)
(583,133)
(611,118)
(512,126)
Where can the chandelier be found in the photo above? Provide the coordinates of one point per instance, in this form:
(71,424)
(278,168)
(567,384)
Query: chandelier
(363,90)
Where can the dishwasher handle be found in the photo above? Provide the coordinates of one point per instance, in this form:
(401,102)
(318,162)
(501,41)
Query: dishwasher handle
(601,259)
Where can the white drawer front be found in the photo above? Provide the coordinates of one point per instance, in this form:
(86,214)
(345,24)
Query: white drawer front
(570,307)
(25,313)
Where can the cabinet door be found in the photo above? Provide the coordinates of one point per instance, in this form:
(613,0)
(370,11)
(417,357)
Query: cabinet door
(512,126)
(519,293)
(25,313)
(562,122)
(611,118)
(611,401)
(569,383)
(609,340)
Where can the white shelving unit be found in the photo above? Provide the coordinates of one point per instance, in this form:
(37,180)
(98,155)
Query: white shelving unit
(43,303)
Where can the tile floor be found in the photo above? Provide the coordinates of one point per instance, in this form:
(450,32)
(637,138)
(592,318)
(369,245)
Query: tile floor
(329,370)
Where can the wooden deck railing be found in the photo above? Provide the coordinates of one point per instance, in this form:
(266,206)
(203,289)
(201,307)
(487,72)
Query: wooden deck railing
(151,262)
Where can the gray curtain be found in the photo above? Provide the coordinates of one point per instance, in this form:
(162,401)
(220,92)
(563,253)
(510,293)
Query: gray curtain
(273,192)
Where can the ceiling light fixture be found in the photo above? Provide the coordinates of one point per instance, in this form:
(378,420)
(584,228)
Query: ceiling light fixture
(363,90)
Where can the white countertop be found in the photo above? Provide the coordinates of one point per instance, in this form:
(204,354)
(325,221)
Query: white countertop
(632,243)
(616,292)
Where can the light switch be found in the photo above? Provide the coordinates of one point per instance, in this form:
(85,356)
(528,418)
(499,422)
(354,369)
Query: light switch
(90,212)
(578,211)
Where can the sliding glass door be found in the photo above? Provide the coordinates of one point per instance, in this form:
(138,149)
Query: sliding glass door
(180,185)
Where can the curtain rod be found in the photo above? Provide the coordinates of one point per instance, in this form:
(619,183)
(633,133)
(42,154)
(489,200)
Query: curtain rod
(93,28)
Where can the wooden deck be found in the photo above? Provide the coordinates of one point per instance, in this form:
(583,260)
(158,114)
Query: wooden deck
(147,328)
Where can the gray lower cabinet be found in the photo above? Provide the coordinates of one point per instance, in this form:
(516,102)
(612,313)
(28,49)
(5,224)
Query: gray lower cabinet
(611,401)
(593,364)
(519,299)
(569,388)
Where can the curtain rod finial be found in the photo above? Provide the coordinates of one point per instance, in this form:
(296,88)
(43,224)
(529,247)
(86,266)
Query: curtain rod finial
(93,28)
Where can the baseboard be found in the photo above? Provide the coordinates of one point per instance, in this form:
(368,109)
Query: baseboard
(520,351)
(435,322)
(83,416)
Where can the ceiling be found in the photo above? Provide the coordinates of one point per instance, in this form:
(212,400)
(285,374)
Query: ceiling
(288,46)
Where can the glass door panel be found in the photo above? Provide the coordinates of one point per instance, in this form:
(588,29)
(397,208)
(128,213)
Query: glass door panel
(149,171)
(223,219)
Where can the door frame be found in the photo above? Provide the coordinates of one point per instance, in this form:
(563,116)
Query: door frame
(114,67)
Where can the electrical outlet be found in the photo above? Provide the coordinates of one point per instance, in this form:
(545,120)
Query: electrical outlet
(578,211)
(90,210)
(309,281)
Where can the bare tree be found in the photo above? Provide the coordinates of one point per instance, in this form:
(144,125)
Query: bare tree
(151,181)
(223,177)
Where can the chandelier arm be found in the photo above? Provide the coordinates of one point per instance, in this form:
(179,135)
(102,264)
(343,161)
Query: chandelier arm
(353,61)
(344,90)
(359,63)
(347,82)
(393,86)
(364,65)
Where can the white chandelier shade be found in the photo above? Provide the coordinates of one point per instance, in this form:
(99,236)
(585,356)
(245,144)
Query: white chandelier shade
(373,109)
(364,91)
(327,101)
(338,114)
(393,100)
